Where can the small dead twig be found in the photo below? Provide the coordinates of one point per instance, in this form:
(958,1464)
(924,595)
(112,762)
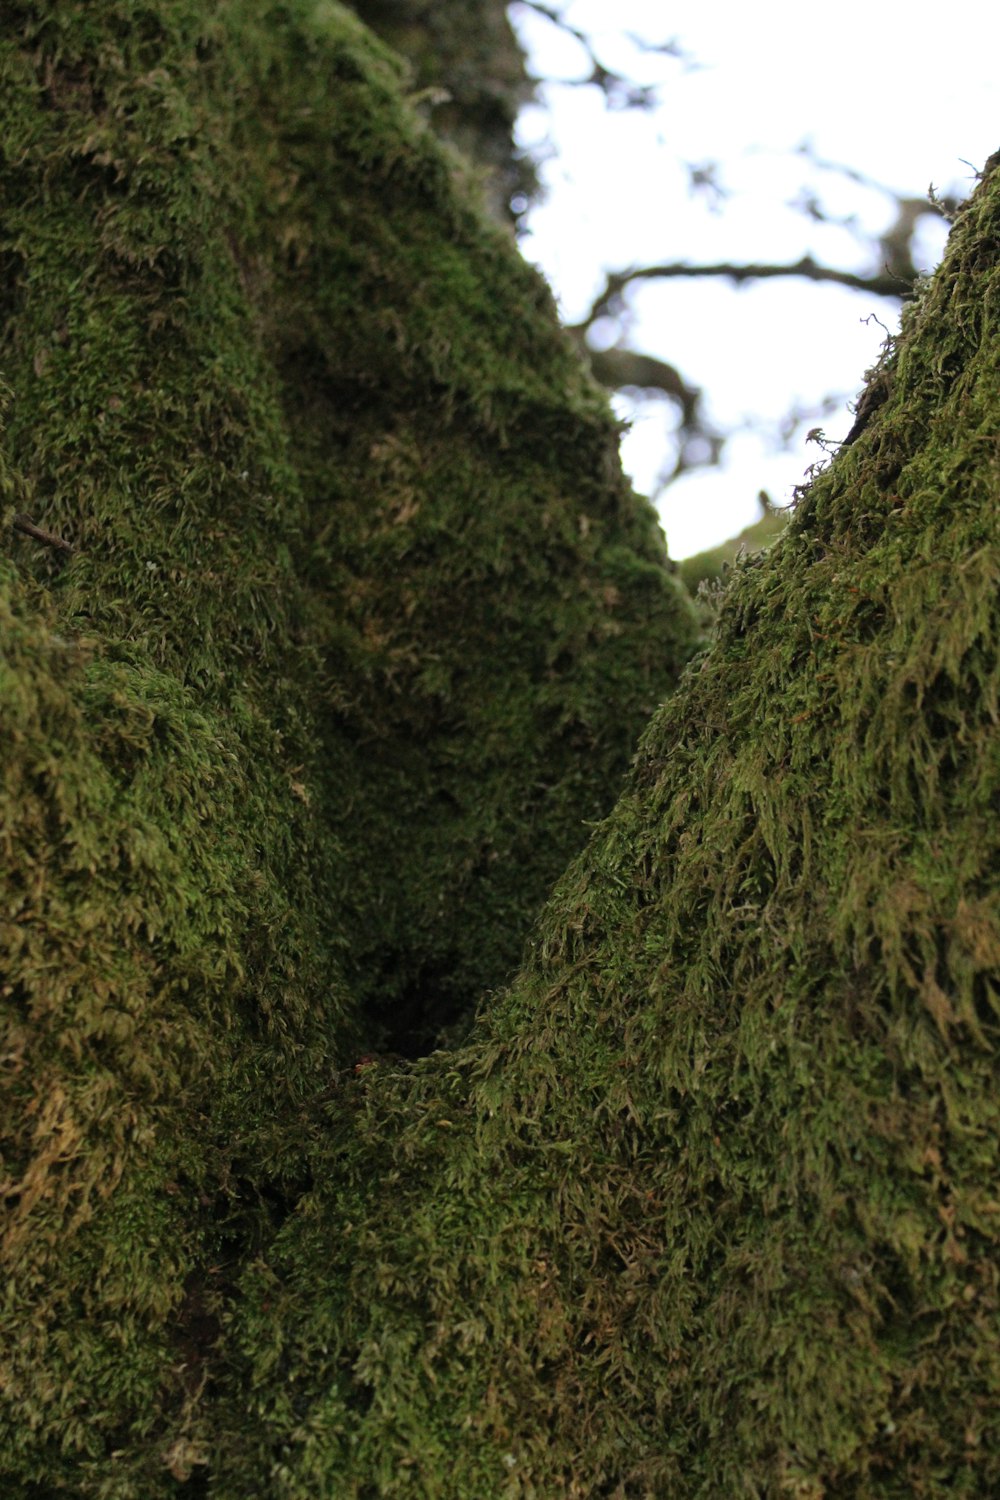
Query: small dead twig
(26,525)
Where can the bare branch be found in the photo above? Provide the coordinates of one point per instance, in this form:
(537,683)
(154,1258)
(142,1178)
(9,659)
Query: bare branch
(27,526)
(619,91)
(620,369)
(807,150)
(883,284)
(894,248)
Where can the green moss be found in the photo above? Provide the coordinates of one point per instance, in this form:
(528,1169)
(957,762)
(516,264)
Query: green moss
(707,1206)
(468,75)
(711,565)
(494,611)
(359,626)
(137,922)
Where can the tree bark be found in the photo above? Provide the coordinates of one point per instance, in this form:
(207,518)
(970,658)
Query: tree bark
(359,624)
(707,1205)
(358,628)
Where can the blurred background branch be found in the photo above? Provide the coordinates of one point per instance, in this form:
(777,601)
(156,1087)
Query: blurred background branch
(475,82)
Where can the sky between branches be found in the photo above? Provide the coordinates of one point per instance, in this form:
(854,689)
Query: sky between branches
(905,96)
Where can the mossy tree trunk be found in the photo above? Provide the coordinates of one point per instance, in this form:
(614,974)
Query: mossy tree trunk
(469,75)
(359,625)
(708,1205)
(358,628)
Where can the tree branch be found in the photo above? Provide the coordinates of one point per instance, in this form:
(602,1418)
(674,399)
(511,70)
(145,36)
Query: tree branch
(883,284)
(26,525)
(617,89)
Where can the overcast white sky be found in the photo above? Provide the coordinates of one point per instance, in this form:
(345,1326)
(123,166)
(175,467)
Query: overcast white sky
(904,94)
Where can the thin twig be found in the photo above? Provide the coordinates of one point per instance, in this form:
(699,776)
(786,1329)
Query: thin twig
(26,525)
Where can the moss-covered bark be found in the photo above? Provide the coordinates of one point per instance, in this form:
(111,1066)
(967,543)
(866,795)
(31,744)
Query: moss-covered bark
(358,629)
(711,566)
(708,1206)
(469,73)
